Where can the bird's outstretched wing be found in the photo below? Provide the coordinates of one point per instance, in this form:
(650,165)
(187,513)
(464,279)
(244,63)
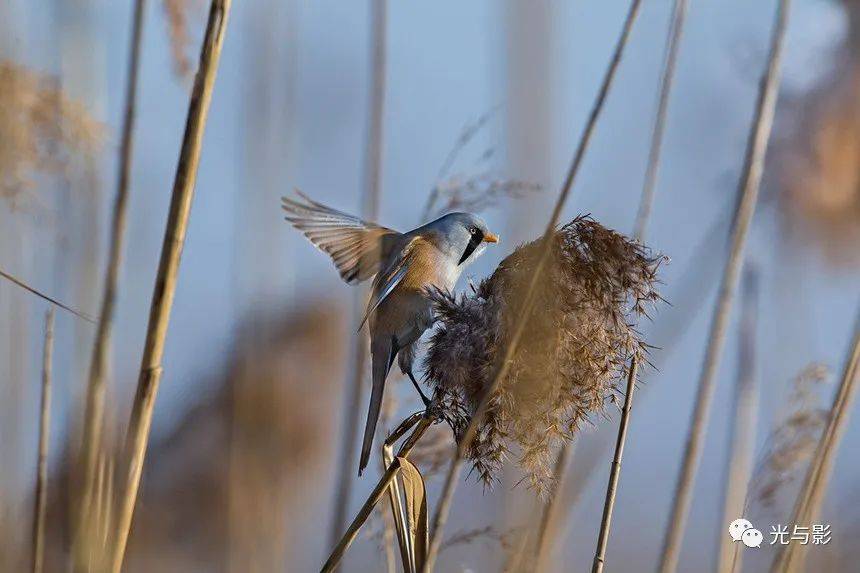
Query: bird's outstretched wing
(357,247)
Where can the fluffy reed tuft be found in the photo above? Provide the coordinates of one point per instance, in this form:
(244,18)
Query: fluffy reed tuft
(577,346)
(793,438)
(41,130)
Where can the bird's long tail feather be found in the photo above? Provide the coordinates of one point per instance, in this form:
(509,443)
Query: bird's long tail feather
(382,355)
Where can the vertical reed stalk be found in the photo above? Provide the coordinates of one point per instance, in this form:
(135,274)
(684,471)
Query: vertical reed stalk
(95,397)
(811,496)
(41,497)
(749,187)
(168,270)
(615,472)
(440,516)
(679,15)
(370,210)
(742,425)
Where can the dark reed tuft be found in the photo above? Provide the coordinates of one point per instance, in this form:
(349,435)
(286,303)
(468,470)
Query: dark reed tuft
(576,349)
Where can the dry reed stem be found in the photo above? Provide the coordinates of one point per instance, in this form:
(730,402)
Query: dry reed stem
(370,211)
(168,270)
(742,425)
(615,472)
(95,396)
(442,509)
(41,498)
(381,487)
(809,500)
(45,297)
(679,14)
(749,188)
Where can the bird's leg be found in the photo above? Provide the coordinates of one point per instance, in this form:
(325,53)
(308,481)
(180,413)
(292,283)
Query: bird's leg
(424,397)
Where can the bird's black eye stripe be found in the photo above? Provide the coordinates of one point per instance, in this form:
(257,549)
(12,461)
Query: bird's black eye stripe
(477,239)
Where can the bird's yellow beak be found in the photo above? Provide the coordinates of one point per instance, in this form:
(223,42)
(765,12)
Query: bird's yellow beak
(491,238)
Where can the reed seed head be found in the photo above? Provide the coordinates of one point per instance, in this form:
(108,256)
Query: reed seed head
(575,351)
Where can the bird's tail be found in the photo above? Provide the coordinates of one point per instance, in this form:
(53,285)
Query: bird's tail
(382,355)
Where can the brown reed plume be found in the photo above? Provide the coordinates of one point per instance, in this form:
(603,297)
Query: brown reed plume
(41,129)
(40,506)
(168,267)
(819,168)
(808,505)
(95,394)
(747,199)
(575,348)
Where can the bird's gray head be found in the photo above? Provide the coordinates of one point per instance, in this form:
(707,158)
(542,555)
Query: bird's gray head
(461,236)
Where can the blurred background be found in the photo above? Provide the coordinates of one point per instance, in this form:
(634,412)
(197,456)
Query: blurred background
(243,462)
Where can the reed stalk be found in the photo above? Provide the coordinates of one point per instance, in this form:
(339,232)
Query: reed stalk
(811,496)
(615,472)
(748,197)
(95,396)
(440,516)
(370,211)
(18,282)
(676,29)
(168,270)
(41,497)
(742,426)
(382,486)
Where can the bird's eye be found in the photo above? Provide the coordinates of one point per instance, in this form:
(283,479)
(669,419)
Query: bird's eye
(473,230)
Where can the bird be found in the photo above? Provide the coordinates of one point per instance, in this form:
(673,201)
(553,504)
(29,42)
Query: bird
(404,268)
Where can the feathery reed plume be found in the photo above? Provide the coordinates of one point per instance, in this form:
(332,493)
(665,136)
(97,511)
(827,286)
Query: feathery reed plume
(168,267)
(673,41)
(792,440)
(95,394)
(41,130)
(371,193)
(440,516)
(40,505)
(811,496)
(742,425)
(747,199)
(575,348)
(475,194)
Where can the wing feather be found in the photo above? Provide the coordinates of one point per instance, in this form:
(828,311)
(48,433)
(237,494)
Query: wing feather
(357,247)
